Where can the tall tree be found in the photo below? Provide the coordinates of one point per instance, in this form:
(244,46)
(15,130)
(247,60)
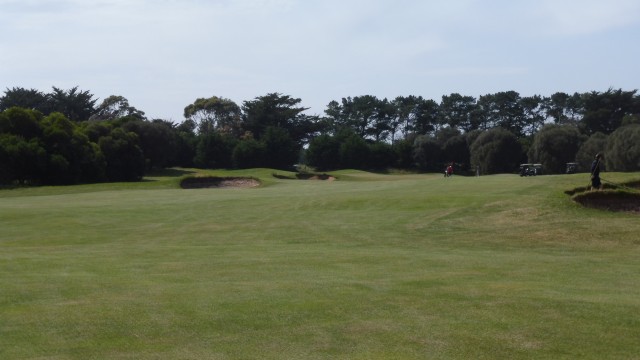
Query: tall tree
(359,113)
(533,108)
(215,114)
(414,115)
(425,114)
(504,109)
(114,107)
(456,111)
(75,104)
(564,109)
(384,121)
(604,111)
(277,110)
(25,98)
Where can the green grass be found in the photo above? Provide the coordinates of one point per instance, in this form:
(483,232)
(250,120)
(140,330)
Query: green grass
(365,267)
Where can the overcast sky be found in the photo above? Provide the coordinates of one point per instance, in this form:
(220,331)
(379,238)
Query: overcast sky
(163,54)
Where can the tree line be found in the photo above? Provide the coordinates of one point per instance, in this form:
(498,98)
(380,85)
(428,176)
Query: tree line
(66,137)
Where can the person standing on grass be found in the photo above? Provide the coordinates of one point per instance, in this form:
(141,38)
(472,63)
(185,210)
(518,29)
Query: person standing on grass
(595,173)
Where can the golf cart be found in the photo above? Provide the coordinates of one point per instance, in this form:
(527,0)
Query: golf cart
(572,167)
(530,169)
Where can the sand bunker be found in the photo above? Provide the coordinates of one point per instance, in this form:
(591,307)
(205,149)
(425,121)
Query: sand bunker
(625,197)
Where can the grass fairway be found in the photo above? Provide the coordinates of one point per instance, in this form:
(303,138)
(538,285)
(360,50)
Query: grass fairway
(365,267)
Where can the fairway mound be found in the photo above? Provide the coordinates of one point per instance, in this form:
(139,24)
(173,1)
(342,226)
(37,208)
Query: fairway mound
(612,200)
(306,176)
(205,182)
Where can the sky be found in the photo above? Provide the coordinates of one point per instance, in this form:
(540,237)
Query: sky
(164,54)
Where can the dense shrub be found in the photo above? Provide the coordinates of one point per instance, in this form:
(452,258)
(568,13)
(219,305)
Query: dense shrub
(595,144)
(496,151)
(554,146)
(623,149)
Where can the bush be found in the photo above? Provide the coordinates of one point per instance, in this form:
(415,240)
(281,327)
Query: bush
(323,153)
(496,151)
(214,150)
(354,153)
(427,154)
(281,151)
(623,149)
(248,154)
(594,145)
(554,146)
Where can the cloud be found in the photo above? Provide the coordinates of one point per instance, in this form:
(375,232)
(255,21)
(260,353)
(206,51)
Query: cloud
(585,17)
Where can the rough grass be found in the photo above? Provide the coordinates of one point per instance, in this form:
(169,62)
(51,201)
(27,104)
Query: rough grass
(365,267)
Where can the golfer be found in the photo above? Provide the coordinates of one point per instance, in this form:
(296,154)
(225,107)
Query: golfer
(595,173)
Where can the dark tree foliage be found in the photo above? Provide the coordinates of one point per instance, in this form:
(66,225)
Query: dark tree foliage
(564,109)
(456,111)
(124,158)
(324,152)
(354,153)
(425,120)
(554,146)
(45,138)
(381,156)
(446,133)
(215,114)
(428,153)
(496,151)
(75,104)
(73,158)
(603,112)
(595,144)
(368,117)
(248,153)
(404,154)
(47,150)
(357,114)
(623,149)
(274,110)
(21,122)
(24,98)
(158,140)
(187,143)
(114,107)
(456,150)
(534,114)
(22,161)
(96,130)
(214,150)
(281,151)
(504,109)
